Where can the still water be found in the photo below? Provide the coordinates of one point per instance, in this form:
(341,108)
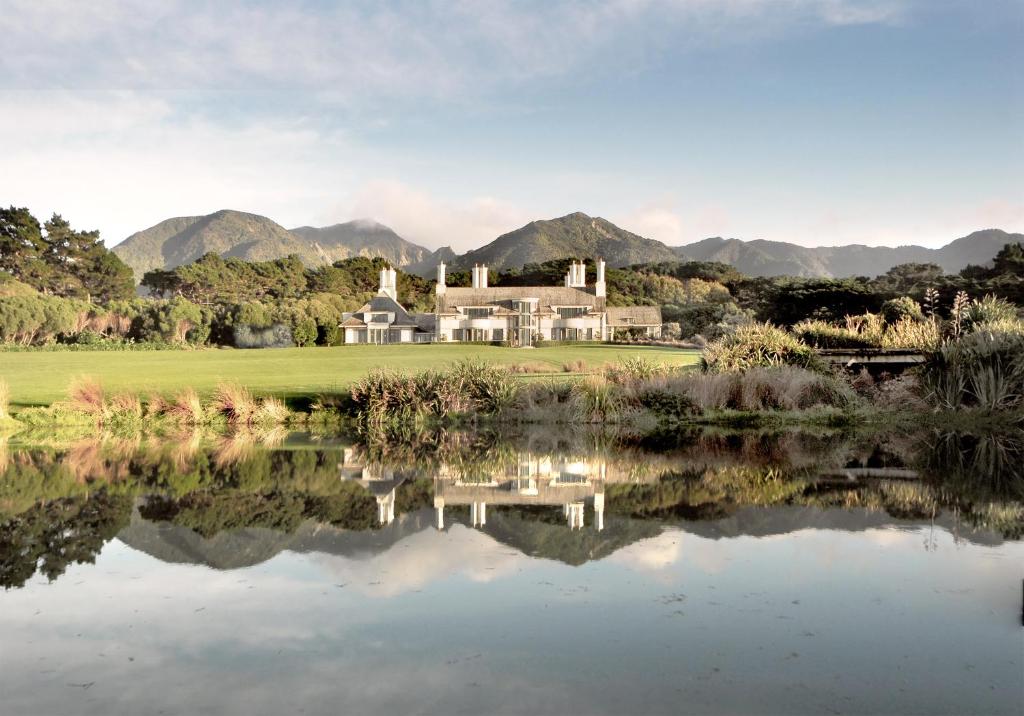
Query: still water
(744,573)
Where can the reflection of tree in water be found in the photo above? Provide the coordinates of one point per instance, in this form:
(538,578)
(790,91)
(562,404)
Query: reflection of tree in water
(50,536)
(59,506)
(979,475)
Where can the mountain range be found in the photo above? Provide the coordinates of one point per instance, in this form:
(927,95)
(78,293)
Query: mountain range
(256,238)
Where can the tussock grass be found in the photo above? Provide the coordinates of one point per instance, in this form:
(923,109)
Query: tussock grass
(125,405)
(758,345)
(85,395)
(235,403)
(187,408)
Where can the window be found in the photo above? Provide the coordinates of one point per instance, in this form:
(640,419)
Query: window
(627,320)
(523,306)
(498,334)
(477,312)
(572,311)
(380,318)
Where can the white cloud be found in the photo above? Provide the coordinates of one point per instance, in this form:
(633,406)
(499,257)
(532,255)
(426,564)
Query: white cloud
(365,51)
(122,161)
(424,218)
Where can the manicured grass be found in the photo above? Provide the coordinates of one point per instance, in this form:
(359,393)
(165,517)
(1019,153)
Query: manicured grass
(40,378)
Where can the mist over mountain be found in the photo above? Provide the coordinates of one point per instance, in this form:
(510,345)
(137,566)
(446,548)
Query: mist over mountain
(256,238)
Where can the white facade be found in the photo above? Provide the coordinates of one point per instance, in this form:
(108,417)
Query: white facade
(514,315)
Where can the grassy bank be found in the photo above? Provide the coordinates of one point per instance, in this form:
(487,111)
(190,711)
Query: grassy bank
(43,378)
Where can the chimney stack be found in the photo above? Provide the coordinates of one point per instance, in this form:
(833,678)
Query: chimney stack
(577,276)
(441,287)
(388,283)
(480,276)
(600,286)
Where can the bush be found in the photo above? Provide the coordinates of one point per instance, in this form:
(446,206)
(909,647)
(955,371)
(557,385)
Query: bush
(989,309)
(758,345)
(757,389)
(276,336)
(305,332)
(982,369)
(822,334)
(903,308)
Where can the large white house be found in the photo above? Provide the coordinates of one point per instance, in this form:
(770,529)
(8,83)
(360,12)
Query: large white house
(516,315)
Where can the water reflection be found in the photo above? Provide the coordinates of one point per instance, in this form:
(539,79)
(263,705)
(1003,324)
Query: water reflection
(60,506)
(588,572)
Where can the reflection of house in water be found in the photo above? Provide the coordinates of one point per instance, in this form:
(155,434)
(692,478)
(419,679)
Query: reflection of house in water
(380,482)
(569,483)
(536,480)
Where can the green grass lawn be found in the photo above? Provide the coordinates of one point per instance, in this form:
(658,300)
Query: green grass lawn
(40,378)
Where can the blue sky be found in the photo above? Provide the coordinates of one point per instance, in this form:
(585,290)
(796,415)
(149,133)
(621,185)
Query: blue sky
(813,121)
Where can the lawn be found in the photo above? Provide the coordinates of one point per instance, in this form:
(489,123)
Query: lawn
(40,378)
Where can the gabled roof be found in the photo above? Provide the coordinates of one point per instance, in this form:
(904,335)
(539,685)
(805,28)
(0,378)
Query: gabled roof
(352,322)
(386,304)
(641,315)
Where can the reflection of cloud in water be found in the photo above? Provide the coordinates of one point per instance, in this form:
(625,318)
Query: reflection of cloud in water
(653,554)
(422,558)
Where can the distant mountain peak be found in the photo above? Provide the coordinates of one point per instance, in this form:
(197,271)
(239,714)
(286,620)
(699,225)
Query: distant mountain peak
(252,237)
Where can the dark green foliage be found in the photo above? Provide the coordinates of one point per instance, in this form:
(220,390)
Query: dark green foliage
(56,259)
(981,370)
(275,336)
(53,535)
(213,279)
(896,309)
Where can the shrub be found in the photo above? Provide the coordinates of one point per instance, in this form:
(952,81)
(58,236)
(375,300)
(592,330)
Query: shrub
(982,369)
(758,389)
(913,334)
(275,336)
(903,308)
(633,369)
(989,309)
(758,345)
(599,399)
(822,334)
(305,332)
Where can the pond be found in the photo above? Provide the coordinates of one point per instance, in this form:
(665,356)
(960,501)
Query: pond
(581,573)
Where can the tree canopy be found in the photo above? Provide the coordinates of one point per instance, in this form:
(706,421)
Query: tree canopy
(57,260)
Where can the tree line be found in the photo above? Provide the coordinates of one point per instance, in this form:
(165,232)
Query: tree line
(62,286)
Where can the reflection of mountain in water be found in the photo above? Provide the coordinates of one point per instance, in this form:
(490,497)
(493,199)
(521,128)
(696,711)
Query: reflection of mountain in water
(537,532)
(568,502)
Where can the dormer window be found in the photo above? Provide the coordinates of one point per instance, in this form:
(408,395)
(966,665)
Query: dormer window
(478,312)
(573,311)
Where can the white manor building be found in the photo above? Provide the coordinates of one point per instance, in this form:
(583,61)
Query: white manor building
(517,315)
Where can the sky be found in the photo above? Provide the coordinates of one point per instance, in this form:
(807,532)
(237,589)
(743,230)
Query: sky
(820,122)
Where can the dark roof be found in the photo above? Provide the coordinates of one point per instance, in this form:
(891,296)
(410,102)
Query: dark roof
(386,304)
(641,315)
(425,321)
